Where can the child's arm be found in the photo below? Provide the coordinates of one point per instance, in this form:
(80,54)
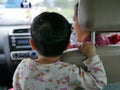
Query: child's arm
(94,65)
(95,76)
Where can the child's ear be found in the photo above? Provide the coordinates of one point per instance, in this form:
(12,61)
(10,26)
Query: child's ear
(32,44)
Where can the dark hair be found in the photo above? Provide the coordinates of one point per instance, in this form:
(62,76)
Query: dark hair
(50,33)
(76,9)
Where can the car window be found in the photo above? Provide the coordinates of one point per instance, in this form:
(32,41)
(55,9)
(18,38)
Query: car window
(16,12)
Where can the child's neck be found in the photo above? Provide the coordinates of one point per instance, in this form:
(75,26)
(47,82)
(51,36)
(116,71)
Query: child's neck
(47,60)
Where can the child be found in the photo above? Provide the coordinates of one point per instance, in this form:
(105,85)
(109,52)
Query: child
(50,36)
(79,35)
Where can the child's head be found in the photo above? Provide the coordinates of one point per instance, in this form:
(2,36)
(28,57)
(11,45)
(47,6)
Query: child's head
(50,33)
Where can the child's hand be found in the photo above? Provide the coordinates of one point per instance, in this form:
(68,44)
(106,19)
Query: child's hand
(88,49)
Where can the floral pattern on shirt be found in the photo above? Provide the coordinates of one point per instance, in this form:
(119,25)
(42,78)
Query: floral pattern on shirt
(30,75)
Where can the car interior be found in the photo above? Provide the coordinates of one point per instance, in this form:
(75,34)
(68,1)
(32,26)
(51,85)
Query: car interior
(102,19)
(15,19)
(96,16)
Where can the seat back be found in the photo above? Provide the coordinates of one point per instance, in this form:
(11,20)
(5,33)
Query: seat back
(99,15)
(114,86)
(110,56)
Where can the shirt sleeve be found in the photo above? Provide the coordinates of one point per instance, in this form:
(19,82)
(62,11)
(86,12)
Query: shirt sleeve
(92,79)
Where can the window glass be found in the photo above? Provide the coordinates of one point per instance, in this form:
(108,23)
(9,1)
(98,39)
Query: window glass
(13,12)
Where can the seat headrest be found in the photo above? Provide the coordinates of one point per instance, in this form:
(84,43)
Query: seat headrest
(99,15)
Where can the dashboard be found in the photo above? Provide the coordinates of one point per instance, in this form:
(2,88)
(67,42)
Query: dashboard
(14,46)
(14,43)
(18,41)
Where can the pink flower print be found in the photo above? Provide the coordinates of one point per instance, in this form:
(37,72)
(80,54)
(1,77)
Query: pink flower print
(56,63)
(73,70)
(96,69)
(40,74)
(41,79)
(30,66)
(17,85)
(81,73)
(67,78)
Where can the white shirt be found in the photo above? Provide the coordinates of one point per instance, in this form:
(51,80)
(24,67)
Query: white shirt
(31,75)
